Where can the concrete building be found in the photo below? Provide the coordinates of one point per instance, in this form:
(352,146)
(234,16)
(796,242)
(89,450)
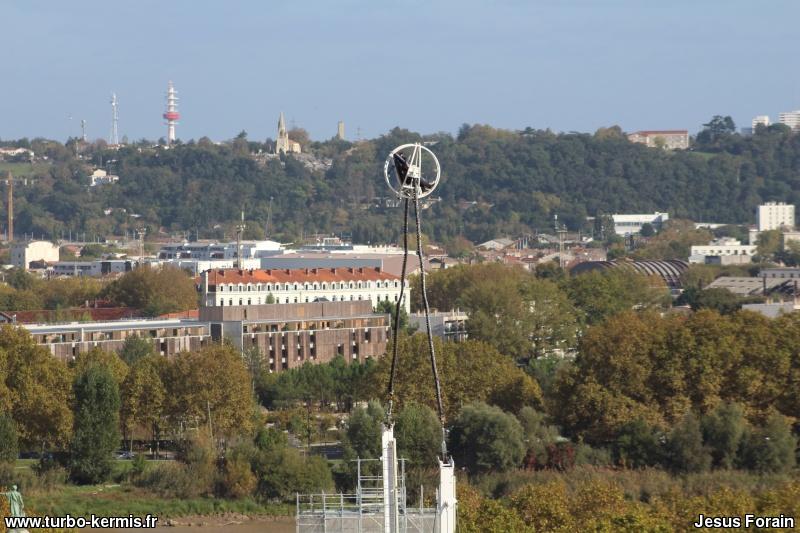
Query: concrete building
(667,139)
(632,224)
(101,177)
(215,250)
(775,215)
(780,273)
(790,118)
(25,253)
(284,143)
(724,247)
(100,267)
(169,337)
(772,310)
(448,325)
(236,287)
(289,335)
(760,120)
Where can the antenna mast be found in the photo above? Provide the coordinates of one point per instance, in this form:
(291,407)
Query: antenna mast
(171,115)
(113,139)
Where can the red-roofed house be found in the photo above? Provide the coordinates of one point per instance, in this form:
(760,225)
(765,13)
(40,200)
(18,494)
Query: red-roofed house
(229,287)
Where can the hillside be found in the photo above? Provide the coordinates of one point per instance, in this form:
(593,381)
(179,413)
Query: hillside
(494,182)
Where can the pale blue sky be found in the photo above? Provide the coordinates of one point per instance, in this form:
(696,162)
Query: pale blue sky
(424,65)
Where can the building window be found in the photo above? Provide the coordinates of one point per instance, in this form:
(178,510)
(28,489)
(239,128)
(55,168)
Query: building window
(221,288)
(230,302)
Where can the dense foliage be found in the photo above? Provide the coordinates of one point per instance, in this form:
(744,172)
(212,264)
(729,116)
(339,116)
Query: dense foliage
(494,182)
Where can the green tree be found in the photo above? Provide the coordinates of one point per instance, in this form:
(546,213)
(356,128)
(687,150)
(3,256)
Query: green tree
(638,445)
(364,428)
(770,448)
(768,243)
(600,294)
(134,348)
(484,438)
(722,301)
(685,450)
(538,433)
(143,396)
(213,380)
(389,308)
(9,447)
(647,230)
(35,388)
(419,435)
(154,291)
(723,429)
(96,433)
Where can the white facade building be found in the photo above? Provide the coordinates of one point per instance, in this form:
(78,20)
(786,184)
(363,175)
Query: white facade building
(101,177)
(215,250)
(762,120)
(667,139)
(632,224)
(100,267)
(721,248)
(226,287)
(775,215)
(24,253)
(790,118)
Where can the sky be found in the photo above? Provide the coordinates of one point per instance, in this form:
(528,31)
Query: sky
(429,66)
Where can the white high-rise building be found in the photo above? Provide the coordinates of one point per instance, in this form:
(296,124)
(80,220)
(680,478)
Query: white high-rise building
(775,215)
(790,118)
(762,120)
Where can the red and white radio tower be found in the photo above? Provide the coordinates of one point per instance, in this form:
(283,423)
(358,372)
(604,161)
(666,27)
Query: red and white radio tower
(172,115)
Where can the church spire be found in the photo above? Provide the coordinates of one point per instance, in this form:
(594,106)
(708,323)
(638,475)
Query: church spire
(281,125)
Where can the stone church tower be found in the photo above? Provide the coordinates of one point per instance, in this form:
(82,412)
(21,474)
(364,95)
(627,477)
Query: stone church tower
(284,144)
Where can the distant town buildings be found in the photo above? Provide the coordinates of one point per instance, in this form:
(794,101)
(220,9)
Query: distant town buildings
(790,118)
(668,139)
(284,143)
(725,250)
(340,130)
(632,224)
(16,153)
(775,215)
(25,253)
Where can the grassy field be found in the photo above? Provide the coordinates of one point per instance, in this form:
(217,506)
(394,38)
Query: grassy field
(120,500)
(20,170)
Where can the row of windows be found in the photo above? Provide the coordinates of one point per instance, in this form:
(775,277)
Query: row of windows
(307,286)
(257,301)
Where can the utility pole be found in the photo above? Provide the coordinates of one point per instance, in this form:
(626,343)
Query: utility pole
(10,205)
(561,230)
(269,219)
(141,232)
(239,231)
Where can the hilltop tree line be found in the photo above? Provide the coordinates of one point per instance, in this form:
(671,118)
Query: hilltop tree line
(495,182)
